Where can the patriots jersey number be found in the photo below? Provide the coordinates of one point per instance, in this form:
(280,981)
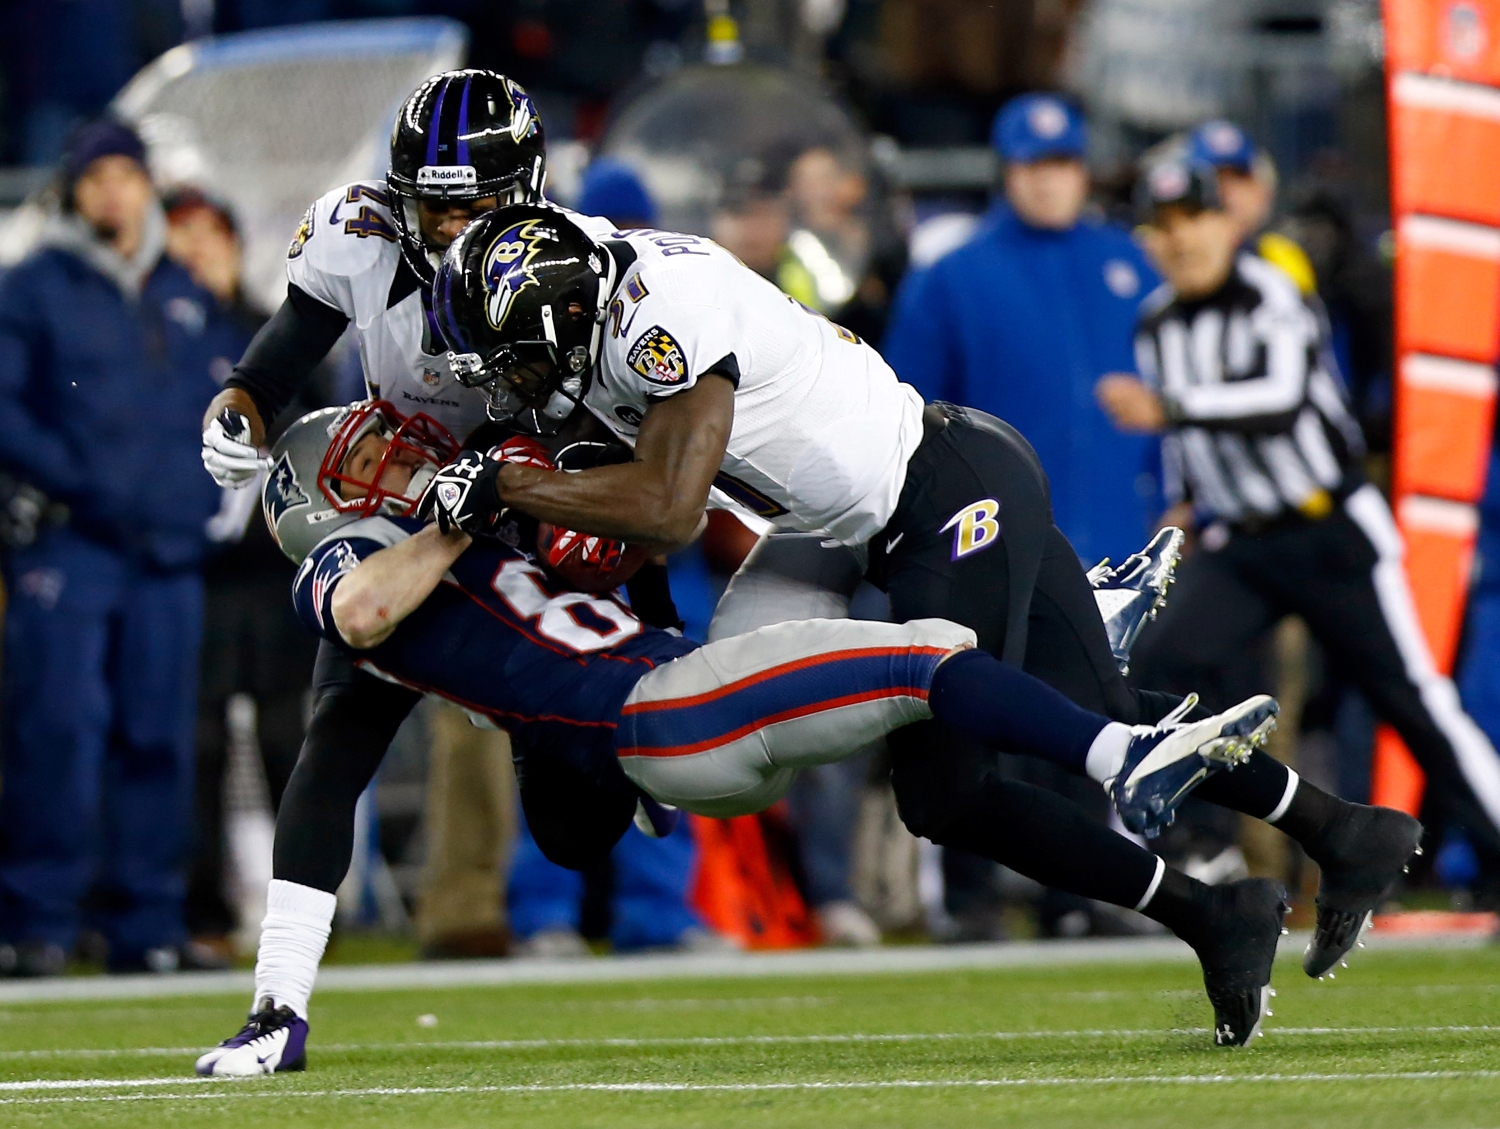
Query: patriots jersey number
(576,620)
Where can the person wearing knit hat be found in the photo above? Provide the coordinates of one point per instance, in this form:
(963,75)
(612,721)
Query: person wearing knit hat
(613,189)
(107,353)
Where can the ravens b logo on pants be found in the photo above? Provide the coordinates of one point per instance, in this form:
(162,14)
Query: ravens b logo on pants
(974,527)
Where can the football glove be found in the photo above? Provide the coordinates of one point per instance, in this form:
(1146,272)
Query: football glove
(462,495)
(228,453)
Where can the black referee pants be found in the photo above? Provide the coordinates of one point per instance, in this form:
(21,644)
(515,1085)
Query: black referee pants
(1345,578)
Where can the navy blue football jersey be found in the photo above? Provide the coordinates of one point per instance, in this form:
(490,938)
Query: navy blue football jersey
(503,639)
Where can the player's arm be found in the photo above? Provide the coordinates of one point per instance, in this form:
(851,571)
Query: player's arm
(656,500)
(279,361)
(371,601)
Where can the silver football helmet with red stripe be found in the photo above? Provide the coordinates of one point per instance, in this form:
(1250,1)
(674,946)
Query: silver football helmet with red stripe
(335,466)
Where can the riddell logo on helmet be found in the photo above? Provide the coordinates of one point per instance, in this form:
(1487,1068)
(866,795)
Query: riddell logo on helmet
(447,176)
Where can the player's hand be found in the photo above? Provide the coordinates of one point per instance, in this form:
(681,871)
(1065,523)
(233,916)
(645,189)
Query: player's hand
(1130,403)
(462,495)
(228,452)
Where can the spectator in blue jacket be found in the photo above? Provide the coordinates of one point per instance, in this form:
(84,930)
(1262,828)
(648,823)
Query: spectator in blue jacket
(1023,319)
(107,354)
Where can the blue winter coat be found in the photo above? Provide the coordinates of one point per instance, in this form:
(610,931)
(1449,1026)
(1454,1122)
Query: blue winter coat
(1021,323)
(102,396)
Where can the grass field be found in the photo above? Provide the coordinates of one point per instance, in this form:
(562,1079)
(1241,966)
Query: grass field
(1400,1039)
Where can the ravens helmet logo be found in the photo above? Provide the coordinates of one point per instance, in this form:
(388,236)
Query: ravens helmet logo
(507,266)
(523,119)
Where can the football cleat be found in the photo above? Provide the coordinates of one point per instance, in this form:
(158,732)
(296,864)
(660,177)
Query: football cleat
(273,1040)
(1131,595)
(1238,956)
(655,819)
(1366,855)
(1165,762)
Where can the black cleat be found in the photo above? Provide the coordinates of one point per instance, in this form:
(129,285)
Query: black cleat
(1238,955)
(1362,860)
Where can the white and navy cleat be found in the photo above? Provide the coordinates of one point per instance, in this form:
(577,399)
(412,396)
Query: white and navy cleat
(1131,595)
(1164,763)
(273,1040)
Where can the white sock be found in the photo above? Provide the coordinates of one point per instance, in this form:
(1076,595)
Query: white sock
(1107,753)
(1292,780)
(292,938)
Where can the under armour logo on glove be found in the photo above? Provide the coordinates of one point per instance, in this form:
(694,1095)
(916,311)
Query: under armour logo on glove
(462,495)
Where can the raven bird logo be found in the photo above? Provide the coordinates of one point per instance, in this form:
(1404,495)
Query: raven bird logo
(523,119)
(507,266)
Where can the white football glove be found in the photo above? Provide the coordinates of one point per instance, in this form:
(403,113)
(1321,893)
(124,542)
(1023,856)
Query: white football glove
(227,452)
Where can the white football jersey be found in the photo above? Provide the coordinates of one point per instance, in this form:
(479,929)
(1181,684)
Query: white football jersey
(822,429)
(346,253)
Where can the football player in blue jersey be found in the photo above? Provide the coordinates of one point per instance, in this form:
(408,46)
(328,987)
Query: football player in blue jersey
(612,720)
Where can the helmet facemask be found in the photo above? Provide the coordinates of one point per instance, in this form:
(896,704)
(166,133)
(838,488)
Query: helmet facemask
(418,441)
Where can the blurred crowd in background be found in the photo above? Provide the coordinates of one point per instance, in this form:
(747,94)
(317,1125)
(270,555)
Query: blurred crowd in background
(949,179)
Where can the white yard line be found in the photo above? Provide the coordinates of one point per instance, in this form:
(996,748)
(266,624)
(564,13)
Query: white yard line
(229,1091)
(666,1041)
(673,966)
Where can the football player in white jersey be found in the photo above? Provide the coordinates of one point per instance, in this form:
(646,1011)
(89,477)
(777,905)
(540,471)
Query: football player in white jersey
(365,254)
(718,381)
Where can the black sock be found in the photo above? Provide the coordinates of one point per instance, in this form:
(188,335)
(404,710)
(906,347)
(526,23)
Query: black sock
(951,791)
(1311,815)
(1184,905)
(1003,707)
(1256,787)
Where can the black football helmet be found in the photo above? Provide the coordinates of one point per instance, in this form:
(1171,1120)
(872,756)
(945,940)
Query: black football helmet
(462,135)
(520,297)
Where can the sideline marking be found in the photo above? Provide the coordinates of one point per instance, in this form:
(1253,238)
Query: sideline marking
(735,1087)
(674,966)
(627,1042)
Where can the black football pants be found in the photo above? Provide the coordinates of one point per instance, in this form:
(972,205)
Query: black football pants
(972,540)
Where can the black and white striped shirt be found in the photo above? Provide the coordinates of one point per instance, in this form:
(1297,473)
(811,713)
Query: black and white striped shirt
(1259,427)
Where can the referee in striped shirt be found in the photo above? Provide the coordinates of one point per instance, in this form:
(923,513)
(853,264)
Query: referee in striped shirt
(1261,452)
